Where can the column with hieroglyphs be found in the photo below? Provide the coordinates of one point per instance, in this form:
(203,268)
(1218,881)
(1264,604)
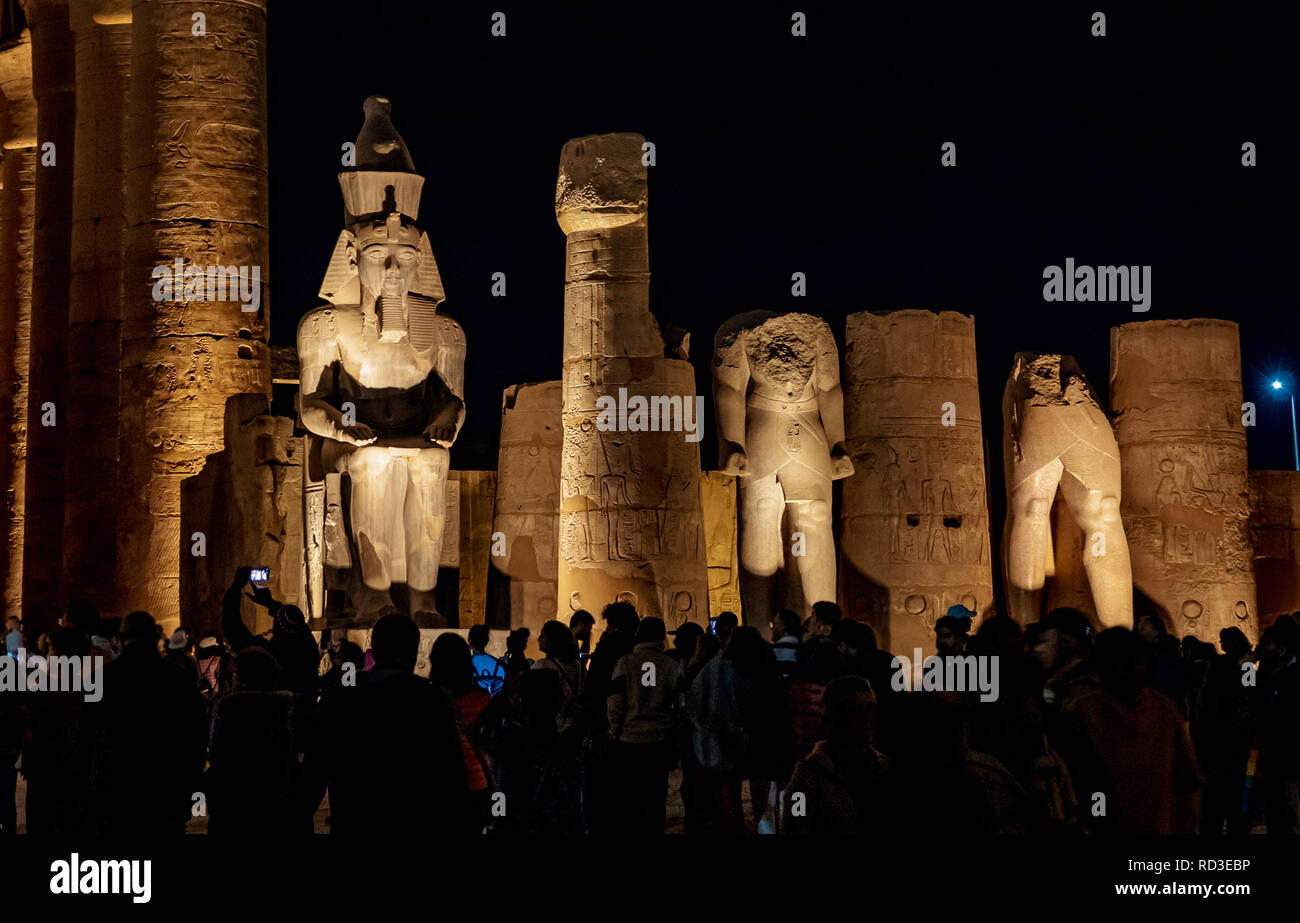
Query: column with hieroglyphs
(915,528)
(1175,395)
(17,244)
(103,59)
(631,525)
(47,404)
(196,192)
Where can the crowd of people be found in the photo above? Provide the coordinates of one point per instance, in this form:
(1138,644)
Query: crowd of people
(1118,732)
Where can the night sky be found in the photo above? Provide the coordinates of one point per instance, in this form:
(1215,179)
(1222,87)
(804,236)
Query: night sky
(778,154)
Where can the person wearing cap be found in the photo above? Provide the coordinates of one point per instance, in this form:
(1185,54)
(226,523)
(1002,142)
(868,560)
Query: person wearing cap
(952,631)
(178,652)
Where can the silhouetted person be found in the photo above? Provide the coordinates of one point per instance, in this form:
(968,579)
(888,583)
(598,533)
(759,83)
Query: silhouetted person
(489,672)
(388,748)
(1166,671)
(582,623)
(1278,725)
(1222,733)
(787,633)
(290,642)
(642,712)
(1129,743)
(451,669)
(723,626)
(824,616)
(250,782)
(825,663)
(616,641)
(178,652)
(951,631)
(837,788)
(152,737)
(57,759)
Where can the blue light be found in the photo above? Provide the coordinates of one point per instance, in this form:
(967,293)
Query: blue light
(1277,385)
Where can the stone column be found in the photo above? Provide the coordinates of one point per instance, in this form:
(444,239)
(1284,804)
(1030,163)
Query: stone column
(17,241)
(1175,398)
(524,556)
(631,525)
(48,395)
(103,45)
(915,526)
(1275,537)
(196,193)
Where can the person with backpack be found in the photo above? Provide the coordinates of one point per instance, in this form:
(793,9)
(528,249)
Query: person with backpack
(489,672)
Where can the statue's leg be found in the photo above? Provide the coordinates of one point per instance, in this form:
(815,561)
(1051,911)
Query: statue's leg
(1091,487)
(1029,508)
(378,491)
(423,518)
(762,503)
(811,519)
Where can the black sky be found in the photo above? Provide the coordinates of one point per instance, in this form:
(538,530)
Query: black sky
(778,154)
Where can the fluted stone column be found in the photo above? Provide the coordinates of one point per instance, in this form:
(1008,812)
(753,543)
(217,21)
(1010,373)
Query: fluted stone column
(195,191)
(1176,402)
(631,525)
(47,445)
(17,242)
(103,59)
(915,536)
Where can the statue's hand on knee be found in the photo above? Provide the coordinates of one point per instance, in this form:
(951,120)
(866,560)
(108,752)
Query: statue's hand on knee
(358,434)
(737,462)
(441,432)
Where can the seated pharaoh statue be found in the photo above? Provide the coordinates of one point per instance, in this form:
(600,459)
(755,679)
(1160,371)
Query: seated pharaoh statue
(381,386)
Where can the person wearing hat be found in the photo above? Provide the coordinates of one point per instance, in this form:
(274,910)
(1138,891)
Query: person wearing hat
(178,652)
(951,631)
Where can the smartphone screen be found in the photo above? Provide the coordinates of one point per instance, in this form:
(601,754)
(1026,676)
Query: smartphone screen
(259,575)
(713,626)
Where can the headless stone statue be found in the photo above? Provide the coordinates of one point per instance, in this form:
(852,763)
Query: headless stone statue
(382,378)
(1057,435)
(781,432)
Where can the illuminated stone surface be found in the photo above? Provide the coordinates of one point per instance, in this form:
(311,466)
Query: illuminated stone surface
(1275,537)
(247,503)
(522,585)
(915,529)
(1056,435)
(52,85)
(631,525)
(718,493)
(196,190)
(780,415)
(103,59)
(1176,400)
(17,242)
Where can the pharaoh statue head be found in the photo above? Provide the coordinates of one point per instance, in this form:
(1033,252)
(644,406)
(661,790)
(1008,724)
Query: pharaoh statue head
(382,261)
